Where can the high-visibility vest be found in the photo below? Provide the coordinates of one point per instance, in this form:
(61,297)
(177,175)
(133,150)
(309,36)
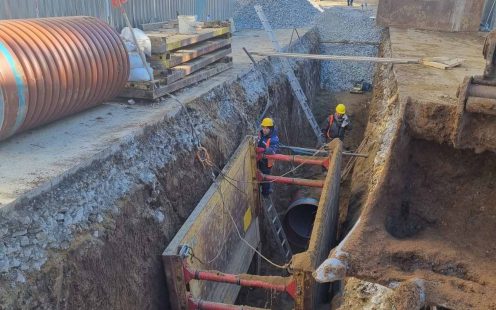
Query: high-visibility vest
(270,162)
(331,121)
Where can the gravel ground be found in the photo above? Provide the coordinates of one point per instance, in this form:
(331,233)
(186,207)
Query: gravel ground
(281,13)
(354,26)
(341,75)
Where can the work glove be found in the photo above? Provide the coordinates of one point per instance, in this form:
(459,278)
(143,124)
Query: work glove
(260,150)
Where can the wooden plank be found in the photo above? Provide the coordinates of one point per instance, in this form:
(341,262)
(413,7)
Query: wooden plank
(169,60)
(190,80)
(137,93)
(201,62)
(162,90)
(442,62)
(144,85)
(163,41)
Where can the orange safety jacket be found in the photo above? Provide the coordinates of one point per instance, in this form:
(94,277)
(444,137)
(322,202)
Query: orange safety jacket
(270,162)
(331,121)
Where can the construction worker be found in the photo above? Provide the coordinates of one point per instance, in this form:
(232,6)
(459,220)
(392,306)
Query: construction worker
(337,123)
(268,144)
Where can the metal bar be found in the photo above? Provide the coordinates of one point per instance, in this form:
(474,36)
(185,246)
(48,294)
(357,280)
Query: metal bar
(249,55)
(341,58)
(304,160)
(216,276)
(303,150)
(293,181)
(314,152)
(199,304)
(350,42)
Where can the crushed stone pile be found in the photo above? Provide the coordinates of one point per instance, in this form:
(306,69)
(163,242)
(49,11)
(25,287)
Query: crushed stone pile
(362,37)
(281,13)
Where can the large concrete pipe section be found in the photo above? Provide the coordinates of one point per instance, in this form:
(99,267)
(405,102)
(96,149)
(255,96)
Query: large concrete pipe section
(298,222)
(54,67)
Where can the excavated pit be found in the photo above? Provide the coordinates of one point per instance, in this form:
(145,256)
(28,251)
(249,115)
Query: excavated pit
(445,202)
(422,210)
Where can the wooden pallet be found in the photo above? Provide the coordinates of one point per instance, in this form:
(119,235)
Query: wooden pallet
(169,40)
(145,85)
(162,90)
(168,60)
(197,64)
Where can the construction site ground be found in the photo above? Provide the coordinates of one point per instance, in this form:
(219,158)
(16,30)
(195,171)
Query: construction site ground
(419,213)
(431,85)
(75,142)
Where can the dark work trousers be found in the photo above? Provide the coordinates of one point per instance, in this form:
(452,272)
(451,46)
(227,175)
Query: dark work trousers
(350,2)
(264,168)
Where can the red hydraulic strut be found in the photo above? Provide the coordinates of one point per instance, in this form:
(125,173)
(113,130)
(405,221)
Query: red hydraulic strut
(198,304)
(306,160)
(285,180)
(216,276)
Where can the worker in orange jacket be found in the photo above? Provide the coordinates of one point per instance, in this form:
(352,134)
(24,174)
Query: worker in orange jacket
(337,124)
(268,144)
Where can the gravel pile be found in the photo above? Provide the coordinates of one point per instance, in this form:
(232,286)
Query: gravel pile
(354,26)
(342,75)
(281,13)
(350,24)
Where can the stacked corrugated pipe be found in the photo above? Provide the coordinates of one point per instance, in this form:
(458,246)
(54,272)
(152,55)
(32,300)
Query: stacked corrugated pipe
(54,67)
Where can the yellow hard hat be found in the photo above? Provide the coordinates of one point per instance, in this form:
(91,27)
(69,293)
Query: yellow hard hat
(267,122)
(341,108)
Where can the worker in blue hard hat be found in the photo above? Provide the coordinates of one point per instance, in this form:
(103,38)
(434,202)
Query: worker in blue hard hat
(338,123)
(268,144)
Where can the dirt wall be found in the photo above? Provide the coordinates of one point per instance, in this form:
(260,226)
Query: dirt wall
(94,240)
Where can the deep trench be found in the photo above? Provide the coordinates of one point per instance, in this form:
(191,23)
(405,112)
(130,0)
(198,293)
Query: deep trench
(323,103)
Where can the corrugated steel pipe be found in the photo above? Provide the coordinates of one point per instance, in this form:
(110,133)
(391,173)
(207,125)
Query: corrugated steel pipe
(54,67)
(298,222)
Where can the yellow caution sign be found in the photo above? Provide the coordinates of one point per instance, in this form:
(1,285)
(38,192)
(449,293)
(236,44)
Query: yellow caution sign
(247,219)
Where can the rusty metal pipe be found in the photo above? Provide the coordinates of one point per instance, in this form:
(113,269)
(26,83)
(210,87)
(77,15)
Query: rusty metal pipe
(293,181)
(216,276)
(54,67)
(199,304)
(304,160)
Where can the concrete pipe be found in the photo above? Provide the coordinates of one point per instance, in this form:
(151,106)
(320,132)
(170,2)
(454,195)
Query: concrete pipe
(54,67)
(298,222)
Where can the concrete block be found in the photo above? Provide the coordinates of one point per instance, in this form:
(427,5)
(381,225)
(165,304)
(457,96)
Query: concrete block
(441,15)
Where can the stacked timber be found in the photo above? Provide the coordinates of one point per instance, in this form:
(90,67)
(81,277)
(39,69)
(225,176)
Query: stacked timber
(180,60)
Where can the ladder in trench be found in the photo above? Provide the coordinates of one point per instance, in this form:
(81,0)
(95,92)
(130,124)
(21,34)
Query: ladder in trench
(293,81)
(276,227)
